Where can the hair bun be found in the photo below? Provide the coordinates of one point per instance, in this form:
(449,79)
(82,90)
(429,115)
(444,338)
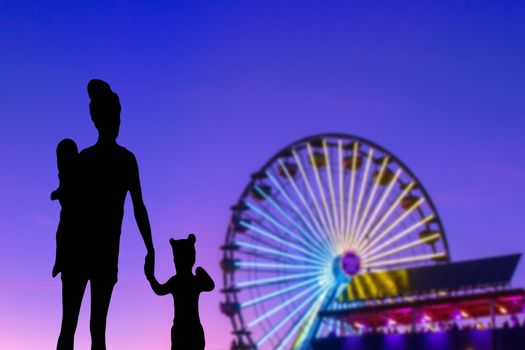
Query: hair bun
(98,89)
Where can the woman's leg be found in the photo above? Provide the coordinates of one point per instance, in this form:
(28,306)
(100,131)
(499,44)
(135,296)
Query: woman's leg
(72,294)
(101,291)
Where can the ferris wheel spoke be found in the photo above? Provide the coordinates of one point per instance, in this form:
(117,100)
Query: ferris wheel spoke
(319,232)
(264,257)
(341,188)
(283,228)
(395,223)
(379,206)
(371,197)
(310,191)
(276,280)
(364,181)
(355,155)
(320,188)
(372,248)
(272,236)
(274,252)
(282,306)
(305,234)
(278,224)
(331,189)
(262,241)
(385,216)
(401,248)
(410,259)
(254,266)
(281,323)
(305,323)
(277,293)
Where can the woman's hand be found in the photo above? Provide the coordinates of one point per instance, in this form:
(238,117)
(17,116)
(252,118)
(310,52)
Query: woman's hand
(55,195)
(149,265)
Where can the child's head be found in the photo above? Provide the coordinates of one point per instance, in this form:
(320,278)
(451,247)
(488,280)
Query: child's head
(184,252)
(67,151)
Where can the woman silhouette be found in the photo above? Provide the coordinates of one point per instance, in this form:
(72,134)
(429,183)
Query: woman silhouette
(105,173)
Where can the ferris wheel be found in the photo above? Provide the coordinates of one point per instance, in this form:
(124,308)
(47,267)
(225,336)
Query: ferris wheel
(320,211)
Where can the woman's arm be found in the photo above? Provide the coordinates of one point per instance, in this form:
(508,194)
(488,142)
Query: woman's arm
(141,214)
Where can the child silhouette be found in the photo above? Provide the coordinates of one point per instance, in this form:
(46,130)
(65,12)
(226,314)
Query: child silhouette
(187,332)
(67,154)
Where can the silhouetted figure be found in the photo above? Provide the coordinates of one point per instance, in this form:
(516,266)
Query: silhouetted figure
(187,332)
(105,173)
(67,157)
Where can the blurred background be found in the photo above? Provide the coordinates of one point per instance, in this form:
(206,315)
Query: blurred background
(210,91)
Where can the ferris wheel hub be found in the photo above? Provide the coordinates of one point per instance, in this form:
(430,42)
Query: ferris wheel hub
(345,266)
(350,263)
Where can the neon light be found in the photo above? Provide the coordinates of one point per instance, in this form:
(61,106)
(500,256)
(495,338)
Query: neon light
(341,192)
(379,206)
(280,306)
(307,319)
(370,198)
(275,280)
(397,221)
(275,265)
(276,252)
(386,215)
(322,238)
(364,181)
(279,225)
(348,236)
(402,247)
(403,233)
(406,260)
(358,325)
(277,293)
(314,198)
(321,191)
(288,317)
(278,239)
(331,188)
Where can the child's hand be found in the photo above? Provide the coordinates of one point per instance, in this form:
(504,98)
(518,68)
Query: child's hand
(56,270)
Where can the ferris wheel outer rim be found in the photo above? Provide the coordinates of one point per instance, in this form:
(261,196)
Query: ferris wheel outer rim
(279,154)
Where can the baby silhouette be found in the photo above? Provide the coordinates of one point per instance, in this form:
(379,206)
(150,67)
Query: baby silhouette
(187,332)
(67,154)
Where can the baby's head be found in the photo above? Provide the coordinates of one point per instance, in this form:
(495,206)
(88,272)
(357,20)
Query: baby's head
(67,151)
(184,252)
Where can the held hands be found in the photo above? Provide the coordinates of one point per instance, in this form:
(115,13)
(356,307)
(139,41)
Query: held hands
(149,265)
(55,195)
(56,270)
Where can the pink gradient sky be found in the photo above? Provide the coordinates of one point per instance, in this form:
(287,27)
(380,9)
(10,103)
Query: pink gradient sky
(210,90)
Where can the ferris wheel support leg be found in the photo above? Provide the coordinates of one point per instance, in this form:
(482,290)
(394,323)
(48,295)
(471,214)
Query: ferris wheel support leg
(330,296)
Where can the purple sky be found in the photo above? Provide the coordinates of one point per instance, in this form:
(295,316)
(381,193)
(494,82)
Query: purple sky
(211,90)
